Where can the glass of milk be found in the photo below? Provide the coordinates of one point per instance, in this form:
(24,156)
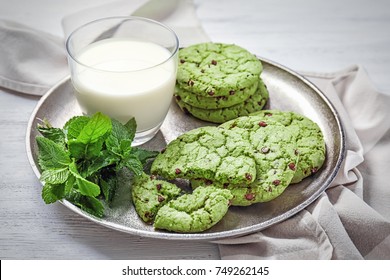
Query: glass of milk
(125,67)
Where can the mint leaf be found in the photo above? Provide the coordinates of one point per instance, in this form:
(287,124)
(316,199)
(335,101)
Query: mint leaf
(125,147)
(119,132)
(88,204)
(52,193)
(108,187)
(132,163)
(119,140)
(84,186)
(103,160)
(131,127)
(89,142)
(96,128)
(55,176)
(75,125)
(143,155)
(70,184)
(51,155)
(81,150)
(55,134)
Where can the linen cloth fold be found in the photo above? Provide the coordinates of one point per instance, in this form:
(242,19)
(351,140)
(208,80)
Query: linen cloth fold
(32,61)
(351,220)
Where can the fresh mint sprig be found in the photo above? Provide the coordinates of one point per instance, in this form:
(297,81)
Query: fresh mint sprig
(80,161)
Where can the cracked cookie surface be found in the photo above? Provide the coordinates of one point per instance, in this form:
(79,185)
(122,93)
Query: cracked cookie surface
(150,194)
(217,69)
(274,149)
(310,141)
(209,153)
(194,212)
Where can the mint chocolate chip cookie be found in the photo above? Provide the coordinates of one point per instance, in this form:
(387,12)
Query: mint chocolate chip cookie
(150,194)
(210,153)
(310,141)
(254,103)
(274,149)
(214,102)
(194,212)
(217,69)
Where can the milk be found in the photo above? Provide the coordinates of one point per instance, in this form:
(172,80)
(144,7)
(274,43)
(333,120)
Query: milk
(125,79)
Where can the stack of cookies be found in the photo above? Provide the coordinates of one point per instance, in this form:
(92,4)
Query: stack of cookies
(218,82)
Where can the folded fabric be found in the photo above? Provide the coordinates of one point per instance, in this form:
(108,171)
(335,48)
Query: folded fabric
(351,219)
(33,61)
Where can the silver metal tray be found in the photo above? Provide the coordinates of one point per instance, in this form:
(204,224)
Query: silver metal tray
(288,91)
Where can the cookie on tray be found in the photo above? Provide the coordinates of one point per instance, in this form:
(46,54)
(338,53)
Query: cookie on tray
(254,103)
(194,212)
(214,102)
(274,147)
(150,194)
(209,153)
(217,69)
(310,141)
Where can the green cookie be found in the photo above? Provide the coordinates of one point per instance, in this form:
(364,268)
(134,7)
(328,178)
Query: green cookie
(254,103)
(274,147)
(150,194)
(194,212)
(310,141)
(209,153)
(214,102)
(216,69)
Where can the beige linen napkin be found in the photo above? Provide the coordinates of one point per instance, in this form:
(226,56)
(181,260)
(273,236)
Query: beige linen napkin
(351,220)
(32,61)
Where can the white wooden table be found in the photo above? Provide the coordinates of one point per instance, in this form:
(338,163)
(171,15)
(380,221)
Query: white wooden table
(311,35)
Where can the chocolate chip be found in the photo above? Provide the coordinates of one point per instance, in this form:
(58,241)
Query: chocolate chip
(249,196)
(160,198)
(214,62)
(158,187)
(291,166)
(262,124)
(248,176)
(208,182)
(190,83)
(314,170)
(148,214)
(177,171)
(276,182)
(182,61)
(232,92)
(211,93)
